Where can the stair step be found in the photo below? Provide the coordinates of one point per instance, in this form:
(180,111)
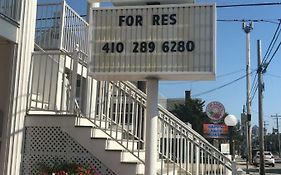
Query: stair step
(129,157)
(113,145)
(97,146)
(140,169)
(98,133)
(94,123)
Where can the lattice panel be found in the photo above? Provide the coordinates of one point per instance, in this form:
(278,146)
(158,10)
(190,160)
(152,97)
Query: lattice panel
(51,144)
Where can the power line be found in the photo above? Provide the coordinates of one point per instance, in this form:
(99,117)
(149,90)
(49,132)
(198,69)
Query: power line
(268,52)
(222,86)
(272,43)
(266,66)
(255,91)
(272,40)
(254,83)
(273,21)
(219,76)
(249,5)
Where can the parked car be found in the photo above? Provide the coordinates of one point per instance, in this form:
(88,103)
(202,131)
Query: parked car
(268,158)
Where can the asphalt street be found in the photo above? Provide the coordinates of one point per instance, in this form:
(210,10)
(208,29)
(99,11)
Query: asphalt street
(254,170)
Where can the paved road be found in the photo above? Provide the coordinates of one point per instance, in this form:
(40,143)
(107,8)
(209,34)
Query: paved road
(255,170)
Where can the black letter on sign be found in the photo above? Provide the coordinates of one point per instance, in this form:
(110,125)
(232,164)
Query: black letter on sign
(173,19)
(130,20)
(121,20)
(164,19)
(155,20)
(138,20)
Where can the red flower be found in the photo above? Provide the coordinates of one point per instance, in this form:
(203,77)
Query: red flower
(79,168)
(60,173)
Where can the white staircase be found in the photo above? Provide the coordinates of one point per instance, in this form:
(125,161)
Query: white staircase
(96,142)
(114,126)
(111,125)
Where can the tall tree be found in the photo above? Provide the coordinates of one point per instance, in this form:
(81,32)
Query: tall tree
(192,112)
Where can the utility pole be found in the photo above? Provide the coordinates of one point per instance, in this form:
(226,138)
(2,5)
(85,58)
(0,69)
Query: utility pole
(278,134)
(265,132)
(247,29)
(260,71)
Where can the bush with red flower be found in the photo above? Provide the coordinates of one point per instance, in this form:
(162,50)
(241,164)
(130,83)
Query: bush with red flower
(64,168)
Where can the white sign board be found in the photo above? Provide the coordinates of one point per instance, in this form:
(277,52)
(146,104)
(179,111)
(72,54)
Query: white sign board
(225,148)
(167,42)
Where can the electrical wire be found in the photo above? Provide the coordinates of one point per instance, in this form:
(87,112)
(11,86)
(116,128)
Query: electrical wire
(272,43)
(222,86)
(219,76)
(249,5)
(255,91)
(254,83)
(266,66)
(273,21)
(268,52)
(271,58)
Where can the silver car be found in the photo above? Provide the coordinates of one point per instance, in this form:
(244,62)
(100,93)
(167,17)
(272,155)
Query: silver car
(268,158)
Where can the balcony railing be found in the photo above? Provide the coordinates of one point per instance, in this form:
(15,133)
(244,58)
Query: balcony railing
(59,27)
(50,82)
(10,9)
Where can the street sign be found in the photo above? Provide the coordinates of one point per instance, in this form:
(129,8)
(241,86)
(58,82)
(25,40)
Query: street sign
(166,42)
(215,111)
(225,148)
(215,130)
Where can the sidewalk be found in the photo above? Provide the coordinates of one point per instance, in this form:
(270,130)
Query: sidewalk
(242,165)
(253,170)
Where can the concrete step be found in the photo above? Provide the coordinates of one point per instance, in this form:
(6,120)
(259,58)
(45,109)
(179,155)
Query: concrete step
(97,146)
(113,145)
(129,157)
(98,133)
(91,122)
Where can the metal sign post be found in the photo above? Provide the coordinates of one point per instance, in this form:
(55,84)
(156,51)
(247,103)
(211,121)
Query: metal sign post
(151,152)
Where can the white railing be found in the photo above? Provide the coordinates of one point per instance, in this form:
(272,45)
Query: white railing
(119,112)
(181,149)
(59,27)
(186,150)
(10,9)
(118,109)
(50,80)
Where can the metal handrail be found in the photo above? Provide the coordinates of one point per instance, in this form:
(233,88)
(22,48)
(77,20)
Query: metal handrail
(178,121)
(120,113)
(49,80)
(59,27)
(117,108)
(199,151)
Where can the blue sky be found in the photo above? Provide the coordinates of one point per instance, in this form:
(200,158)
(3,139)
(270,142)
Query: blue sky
(231,59)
